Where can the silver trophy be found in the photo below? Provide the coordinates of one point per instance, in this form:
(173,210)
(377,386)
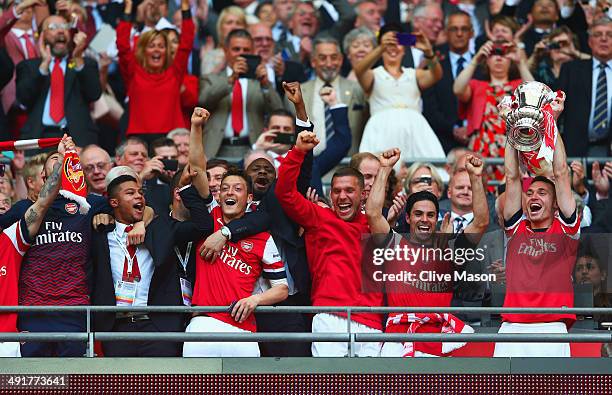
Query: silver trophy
(523,115)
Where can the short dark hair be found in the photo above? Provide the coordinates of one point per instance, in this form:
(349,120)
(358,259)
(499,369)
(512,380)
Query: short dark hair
(390,27)
(359,157)
(113,187)
(233,171)
(420,196)
(348,171)
(506,21)
(160,142)
(211,164)
(281,112)
(237,33)
(545,180)
(175,181)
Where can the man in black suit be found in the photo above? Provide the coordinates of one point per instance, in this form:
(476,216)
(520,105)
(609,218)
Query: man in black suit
(144,275)
(58,88)
(439,101)
(586,83)
(6,71)
(286,237)
(478,10)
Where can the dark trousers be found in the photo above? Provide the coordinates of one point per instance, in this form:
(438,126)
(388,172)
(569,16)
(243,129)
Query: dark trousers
(285,322)
(139,348)
(53,322)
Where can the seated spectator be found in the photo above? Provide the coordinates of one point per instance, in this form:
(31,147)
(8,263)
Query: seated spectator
(478,100)
(394,96)
(180,137)
(96,164)
(150,68)
(213,59)
(356,45)
(559,47)
(58,88)
(238,104)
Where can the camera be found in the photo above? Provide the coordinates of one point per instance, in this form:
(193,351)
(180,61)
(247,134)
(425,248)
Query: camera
(553,45)
(499,50)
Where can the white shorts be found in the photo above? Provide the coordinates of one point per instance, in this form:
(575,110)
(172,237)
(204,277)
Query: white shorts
(217,349)
(325,323)
(532,349)
(396,350)
(10,349)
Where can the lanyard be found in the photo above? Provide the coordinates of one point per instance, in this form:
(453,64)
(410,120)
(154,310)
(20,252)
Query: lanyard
(184,260)
(126,253)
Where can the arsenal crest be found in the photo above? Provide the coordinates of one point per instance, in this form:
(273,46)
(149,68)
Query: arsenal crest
(246,245)
(74,173)
(71,208)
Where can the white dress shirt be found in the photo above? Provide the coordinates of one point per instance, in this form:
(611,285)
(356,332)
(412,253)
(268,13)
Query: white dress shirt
(467,219)
(596,71)
(454,58)
(117,259)
(20,34)
(229,131)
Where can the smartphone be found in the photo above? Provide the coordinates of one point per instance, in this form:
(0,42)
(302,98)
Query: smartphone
(252,62)
(285,138)
(406,39)
(170,164)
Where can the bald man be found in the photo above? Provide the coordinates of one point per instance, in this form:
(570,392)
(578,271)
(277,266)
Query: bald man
(96,165)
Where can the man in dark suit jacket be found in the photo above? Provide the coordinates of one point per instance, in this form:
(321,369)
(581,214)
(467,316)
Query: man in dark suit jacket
(57,89)
(579,80)
(6,72)
(147,276)
(439,102)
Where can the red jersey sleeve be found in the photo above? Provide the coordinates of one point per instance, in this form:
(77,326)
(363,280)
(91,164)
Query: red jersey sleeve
(273,266)
(17,234)
(570,226)
(185,45)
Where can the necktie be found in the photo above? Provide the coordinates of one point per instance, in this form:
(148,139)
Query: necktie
(30,49)
(459,224)
(135,273)
(460,63)
(237,123)
(283,36)
(56,107)
(329,121)
(600,113)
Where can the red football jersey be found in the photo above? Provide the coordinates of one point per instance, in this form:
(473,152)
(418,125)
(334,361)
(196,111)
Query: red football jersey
(13,245)
(539,266)
(234,273)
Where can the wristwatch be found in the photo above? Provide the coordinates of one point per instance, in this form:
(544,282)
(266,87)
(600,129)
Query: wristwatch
(225,232)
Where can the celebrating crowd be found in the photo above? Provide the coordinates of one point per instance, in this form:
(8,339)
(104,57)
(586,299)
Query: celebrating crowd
(211,138)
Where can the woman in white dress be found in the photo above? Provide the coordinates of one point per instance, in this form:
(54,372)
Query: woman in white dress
(395,99)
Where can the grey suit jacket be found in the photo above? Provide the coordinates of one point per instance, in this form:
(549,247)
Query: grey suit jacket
(216,97)
(350,94)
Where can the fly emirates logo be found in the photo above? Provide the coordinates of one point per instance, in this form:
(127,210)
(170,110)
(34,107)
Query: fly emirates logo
(228,256)
(536,247)
(52,232)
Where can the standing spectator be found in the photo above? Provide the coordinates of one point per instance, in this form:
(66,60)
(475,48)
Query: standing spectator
(164,148)
(394,96)
(429,20)
(545,14)
(58,88)
(326,62)
(33,175)
(150,68)
(15,241)
(356,45)
(477,10)
(440,106)
(214,60)
(556,49)
(283,37)
(368,15)
(238,104)
(17,35)
(5,203)
(368,165)
(333,244)
(265,13)
(180,137)
(587,85)
(7,69)
(96,164)
(541,254)
(479,99)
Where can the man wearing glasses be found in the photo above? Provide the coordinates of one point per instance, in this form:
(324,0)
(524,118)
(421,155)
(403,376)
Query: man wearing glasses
(58,87)
(96,165)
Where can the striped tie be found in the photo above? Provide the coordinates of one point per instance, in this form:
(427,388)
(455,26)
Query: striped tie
(600,113)
(329,123)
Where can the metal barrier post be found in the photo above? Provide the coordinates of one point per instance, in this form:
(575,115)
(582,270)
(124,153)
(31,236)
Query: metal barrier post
(90,337)
(351,343)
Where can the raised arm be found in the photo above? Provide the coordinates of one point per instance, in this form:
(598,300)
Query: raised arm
(35,214)
(126,54)
(197,155)
(426,78)
(461,86)
(478,226)
(363,70)
(186,40)
(374,205)
(514,188)
(563,184)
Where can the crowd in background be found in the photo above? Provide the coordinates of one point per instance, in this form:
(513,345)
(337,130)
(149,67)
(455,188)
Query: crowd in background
(122,78)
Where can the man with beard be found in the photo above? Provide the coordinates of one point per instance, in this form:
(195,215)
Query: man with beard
(333,240)
(231,277)
(542,227)
(285,232)
(425,245)
(58,88)
(326,61)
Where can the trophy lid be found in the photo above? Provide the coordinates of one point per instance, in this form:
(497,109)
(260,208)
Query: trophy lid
(533,94)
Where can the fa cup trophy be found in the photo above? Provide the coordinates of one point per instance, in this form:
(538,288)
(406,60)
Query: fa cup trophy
(530,124)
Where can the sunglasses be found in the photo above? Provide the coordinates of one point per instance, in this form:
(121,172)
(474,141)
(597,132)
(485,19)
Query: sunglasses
(421,180)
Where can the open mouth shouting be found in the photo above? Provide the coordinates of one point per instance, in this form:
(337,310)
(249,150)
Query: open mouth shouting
(535,208)
(344,208)
(230,202)
(424,228)
(261,182)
